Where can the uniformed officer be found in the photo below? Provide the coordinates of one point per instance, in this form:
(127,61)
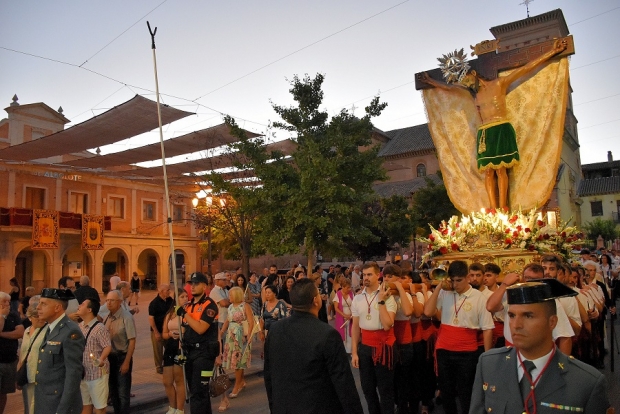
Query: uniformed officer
(535,376)
(59,368)
(200,342)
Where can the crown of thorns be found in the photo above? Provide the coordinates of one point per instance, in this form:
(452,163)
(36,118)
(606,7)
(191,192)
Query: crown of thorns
(454,66)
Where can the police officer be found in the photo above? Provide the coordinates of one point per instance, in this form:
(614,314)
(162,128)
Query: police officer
(59,367)
(535,376)
(200,342)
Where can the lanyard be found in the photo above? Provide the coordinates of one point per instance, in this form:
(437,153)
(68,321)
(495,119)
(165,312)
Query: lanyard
(532,395)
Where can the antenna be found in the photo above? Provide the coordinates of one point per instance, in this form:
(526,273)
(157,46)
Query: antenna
(527,6)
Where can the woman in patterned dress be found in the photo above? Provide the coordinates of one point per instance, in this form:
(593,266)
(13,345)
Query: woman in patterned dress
(238,329)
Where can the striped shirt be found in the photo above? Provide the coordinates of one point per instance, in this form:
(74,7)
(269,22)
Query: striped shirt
(98,339)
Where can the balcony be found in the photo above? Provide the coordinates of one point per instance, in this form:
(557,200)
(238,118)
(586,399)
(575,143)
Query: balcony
(23,217)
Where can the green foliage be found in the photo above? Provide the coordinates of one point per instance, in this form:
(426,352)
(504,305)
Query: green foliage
(431,205)
(605,228)
(389,221)
(316,197)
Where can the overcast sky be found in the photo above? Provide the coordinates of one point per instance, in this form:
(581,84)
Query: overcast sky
(235,56)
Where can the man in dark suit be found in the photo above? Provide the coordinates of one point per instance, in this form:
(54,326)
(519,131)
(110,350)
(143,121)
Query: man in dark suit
(535,376)
(59,368)
(307,370)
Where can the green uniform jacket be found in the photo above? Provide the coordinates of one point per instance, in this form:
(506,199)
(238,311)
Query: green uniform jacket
(59,370)
(567,382)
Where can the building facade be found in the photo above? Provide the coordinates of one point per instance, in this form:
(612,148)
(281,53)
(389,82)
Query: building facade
(134,213)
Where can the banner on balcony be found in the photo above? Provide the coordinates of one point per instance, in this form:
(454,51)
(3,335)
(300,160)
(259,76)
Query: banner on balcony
(92,232)
(45,228)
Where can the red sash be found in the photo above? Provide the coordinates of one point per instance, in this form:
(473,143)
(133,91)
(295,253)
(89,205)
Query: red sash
(381,342)
(454,338)
(427,328)
(403,332)
(416,331)
(498,331)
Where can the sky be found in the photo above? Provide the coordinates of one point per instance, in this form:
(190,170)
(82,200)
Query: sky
(235,57)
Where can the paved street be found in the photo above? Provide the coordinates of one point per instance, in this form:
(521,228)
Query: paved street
(149,391)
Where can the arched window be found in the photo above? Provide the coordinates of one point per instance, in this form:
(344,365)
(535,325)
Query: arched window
(421,170)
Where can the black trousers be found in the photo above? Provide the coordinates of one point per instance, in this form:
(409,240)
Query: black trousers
(198,371)
(456,375)
(428,378)
(407,370)
(119,384)
(376,377)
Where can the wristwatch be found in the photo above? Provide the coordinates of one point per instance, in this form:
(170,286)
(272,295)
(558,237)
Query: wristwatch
(381,302)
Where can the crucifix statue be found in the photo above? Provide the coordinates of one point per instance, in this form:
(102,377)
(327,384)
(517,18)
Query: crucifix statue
(495,143)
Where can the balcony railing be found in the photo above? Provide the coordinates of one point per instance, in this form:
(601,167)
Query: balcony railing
(23,217)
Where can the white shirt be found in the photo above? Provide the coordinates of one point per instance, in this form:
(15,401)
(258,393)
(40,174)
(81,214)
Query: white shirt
(114,280)
(359,308)
(539,362)
(468,309)
(355,281)
(420,297)
(571,308)
(400,316)
(218,294)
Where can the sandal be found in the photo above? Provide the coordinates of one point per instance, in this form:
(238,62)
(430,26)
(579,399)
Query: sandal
(224,406)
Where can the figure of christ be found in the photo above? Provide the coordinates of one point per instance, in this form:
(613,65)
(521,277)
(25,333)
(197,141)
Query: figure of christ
(496,138)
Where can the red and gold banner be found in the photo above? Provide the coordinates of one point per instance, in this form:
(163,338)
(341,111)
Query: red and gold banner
(92,232)
(45,229)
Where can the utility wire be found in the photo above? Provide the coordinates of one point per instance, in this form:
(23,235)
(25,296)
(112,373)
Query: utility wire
(299,50)
(592,17)
(123,32)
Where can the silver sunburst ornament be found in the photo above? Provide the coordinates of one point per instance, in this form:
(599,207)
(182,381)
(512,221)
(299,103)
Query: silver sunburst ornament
(454,66)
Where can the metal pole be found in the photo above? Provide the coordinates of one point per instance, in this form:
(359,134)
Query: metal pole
(167,194)
(209,249)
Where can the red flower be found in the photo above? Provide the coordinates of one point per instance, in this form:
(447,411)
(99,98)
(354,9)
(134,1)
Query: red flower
(519,227)
(443,250)
(563,234)
(507,231)
(540,223)
(546,237)
(515,234)
(505,209)
(531,247)
(492,211)
(508,241)
(527,230)
(444,231)
(513,219)
(455,247)
(458,225)
(431,237)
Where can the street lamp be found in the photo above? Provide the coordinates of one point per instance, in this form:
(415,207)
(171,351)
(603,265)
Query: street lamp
(209,205)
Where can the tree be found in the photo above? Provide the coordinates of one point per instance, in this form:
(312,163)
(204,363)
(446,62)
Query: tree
(315,198)
(431,205)
(599,227)
(389,220)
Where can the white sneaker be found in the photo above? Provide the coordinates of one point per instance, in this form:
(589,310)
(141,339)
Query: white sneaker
(171,410)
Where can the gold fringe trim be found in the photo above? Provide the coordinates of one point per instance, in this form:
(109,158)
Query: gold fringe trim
(500,166)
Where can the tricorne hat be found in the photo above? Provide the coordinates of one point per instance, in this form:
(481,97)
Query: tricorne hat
(537,291)
(58,294)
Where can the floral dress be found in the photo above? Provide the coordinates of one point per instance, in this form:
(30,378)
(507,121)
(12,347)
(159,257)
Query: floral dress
(237,349)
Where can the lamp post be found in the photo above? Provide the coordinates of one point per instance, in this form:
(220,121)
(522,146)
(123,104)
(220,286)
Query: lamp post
(209,204)
(209,215)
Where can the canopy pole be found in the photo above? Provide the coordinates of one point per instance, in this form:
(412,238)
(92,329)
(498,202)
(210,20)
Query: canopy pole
(173,261)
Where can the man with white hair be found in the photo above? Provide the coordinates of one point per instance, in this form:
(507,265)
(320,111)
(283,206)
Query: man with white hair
(220,297)
(86,291)
(122,330)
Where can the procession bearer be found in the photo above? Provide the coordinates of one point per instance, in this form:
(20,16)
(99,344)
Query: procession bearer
(535,376)
(463,314)
(200,343)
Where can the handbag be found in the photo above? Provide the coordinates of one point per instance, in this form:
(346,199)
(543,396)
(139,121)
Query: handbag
(219,382)
(21,377)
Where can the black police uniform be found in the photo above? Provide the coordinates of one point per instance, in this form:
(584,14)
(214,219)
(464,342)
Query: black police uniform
(201,350)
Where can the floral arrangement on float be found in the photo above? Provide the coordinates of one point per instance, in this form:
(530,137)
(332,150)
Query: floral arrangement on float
(502,229)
